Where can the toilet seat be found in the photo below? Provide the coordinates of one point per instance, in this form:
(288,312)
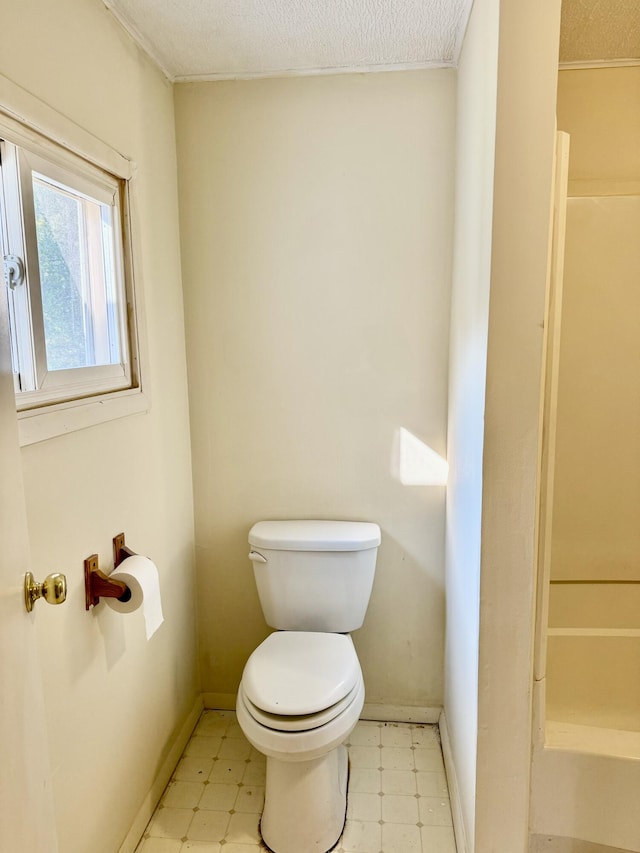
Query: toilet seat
(299,676)
(296,723)
(305,745)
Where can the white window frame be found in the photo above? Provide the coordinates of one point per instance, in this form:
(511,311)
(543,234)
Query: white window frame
(39,386)
(46,135)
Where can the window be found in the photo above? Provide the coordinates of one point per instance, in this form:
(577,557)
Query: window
(62,236)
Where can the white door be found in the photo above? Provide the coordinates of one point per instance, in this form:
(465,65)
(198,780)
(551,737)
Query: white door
(26,802)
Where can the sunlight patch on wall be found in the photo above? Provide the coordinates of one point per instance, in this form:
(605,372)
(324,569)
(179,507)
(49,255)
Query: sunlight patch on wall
(415,463)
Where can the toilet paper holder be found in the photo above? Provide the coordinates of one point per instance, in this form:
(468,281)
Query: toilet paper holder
(97,585)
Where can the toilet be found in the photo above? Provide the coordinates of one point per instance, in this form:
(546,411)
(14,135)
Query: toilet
(302,690)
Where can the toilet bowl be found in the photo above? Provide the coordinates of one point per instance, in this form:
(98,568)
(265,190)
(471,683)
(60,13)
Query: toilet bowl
(300,697)
(302,690)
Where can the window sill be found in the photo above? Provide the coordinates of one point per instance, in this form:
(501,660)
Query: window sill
(37,425)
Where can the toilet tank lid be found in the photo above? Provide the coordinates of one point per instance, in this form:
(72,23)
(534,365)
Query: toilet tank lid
(306,535)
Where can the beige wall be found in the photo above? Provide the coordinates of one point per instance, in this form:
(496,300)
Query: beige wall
(114,701)
(476,117)
(595,531)
(316,219)
(527,73)
(599,108)
(597,475)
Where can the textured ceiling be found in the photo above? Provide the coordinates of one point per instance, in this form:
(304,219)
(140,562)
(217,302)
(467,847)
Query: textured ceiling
(599,30)
(216,39)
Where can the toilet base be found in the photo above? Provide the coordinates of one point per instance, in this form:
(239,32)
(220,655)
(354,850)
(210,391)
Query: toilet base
(306,803)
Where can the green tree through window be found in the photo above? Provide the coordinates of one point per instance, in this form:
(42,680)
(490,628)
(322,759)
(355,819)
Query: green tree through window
(58,227)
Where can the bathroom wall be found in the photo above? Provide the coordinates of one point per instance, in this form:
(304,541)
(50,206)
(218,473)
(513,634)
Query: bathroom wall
(476,116)
(113,701)
(525,118)
(595,531)
(598,107)
(316,223)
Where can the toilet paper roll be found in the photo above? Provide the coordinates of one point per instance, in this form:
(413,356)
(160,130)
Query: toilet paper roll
(141,576)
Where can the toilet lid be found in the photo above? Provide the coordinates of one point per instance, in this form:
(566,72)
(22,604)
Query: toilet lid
(293,673)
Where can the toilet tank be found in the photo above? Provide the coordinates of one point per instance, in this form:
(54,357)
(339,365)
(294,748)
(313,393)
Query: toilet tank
(314,575)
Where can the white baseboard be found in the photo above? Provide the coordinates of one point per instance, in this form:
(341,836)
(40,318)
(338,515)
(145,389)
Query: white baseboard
(557,844)
(152,799)
(400,713)
(373,711)
(219,701)
(454,791)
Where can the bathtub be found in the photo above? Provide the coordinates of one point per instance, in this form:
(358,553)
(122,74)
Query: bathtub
(586,761)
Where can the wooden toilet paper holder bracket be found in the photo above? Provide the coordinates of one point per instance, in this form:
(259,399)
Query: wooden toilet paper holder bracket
(97,585)
(120,550)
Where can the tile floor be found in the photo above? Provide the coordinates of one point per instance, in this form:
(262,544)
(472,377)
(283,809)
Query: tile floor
(397,796)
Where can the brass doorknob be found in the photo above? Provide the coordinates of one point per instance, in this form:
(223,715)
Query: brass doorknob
(53,589)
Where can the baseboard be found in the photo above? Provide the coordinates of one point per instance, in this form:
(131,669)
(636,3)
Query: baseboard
(557,844)
(400,713)
(219,701)
(152,799)
(454,791)
(373,711)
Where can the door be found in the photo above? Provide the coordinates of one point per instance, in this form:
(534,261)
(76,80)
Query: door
(26,803)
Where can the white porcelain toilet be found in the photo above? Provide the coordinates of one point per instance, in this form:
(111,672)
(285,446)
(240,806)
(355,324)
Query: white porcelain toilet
(302,691)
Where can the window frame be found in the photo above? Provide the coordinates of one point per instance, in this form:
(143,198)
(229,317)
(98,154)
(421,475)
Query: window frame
(39,386)
(28,123)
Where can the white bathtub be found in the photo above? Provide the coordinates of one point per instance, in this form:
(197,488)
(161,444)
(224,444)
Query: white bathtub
(586,764)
